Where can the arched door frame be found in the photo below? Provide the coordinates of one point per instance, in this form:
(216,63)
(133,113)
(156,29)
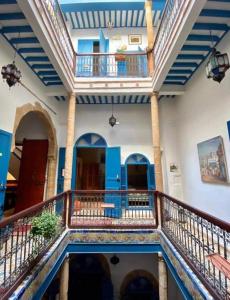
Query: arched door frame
(21,112)
(137,159)
(86,140)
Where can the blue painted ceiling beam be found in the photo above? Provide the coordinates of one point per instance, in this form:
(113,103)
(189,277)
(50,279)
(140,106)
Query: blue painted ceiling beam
(190,56)
(196,48)
(16,29)
(180,71)
(203,38)
(185,65)
(46,73)
(37,58)
(51,78)
(215,13)
(173,82)
(54,83)
(31,50)
(180,78)
(210,26)
(12,16)
(42,66)
(2,2)
(24,40)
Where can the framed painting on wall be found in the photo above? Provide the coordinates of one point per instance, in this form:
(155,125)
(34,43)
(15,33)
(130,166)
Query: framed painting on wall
(135,39)
(213,166)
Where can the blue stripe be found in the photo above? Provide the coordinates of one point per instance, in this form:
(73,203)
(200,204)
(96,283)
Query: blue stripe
(196,48)
(42,66)
(31,50)
(26,40)
(185,64)
(54,83)
(172,78)
(215,13)
(12,16)
(180,71)
(3,2)
(44,73)
(56,78)
(210,26)
(16,29)
(37,58)
(205,38)
(190,56)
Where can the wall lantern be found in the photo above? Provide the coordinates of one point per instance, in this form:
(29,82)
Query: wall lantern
(114,260)
(112,120)
(217,65)
(11,74)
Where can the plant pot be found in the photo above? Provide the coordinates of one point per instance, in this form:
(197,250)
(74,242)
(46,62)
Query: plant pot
(120,57)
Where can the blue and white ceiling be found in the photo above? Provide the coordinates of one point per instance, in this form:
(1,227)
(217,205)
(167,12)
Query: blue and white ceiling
(17,31)
(98,13)
(118,99)
(214,18)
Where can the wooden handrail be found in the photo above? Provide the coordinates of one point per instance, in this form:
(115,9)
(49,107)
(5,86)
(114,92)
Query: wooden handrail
(215,221)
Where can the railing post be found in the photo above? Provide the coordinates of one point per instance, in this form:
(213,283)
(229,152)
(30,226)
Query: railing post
(163,280)
(150,35)
(64,279)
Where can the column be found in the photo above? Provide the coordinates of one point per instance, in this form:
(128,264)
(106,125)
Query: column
(64,279)
(156,141)
(51,175)
(70,141)
(150,35)
(163,280)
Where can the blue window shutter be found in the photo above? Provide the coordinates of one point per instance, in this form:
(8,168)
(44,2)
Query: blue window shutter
(61,166)
(152,184)
(123,177)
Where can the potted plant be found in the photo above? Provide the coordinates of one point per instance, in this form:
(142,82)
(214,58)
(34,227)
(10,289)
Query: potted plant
(45,225)
(120,55)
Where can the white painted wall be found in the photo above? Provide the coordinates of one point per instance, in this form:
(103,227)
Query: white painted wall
(17,96)
(133,134)
(200,114)
(116,36)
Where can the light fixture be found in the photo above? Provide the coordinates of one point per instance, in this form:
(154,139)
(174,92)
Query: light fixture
(11,73)
(110,24)
(217,65)
(112,120)
(114,260)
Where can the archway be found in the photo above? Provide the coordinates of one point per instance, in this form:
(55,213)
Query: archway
(139,285)
(89,277)
(33,127)
(89,162)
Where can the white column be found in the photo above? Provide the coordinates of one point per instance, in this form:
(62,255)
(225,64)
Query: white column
(163,280)
(64,279)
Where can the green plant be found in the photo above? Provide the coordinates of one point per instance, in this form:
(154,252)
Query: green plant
(45,225)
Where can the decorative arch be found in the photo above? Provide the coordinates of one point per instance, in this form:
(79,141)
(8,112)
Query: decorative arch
(91,140)
(21,112)
(135,274)
(137,158)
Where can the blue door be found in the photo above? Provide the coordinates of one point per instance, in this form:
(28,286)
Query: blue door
(113,180)
(142,64)
(85,63)
(5,143)
(103,49)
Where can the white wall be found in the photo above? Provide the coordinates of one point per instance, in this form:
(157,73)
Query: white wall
(116,36)
(17,96)
(201,114)
(133,134)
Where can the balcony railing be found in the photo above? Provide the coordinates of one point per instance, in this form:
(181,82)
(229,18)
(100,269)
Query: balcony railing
(20,250)
(111,65)
(53,11)
(113,208)
(202,240)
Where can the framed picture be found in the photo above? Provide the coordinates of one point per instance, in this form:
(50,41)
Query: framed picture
(135,39)
(213,166)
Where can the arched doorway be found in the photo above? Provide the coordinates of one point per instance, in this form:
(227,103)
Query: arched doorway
(139,285)
(89,278)
(32,167)
(89,162)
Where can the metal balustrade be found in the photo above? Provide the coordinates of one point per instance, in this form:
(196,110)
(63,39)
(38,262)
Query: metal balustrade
(173,10)
(111,65)
(53,10)
(202,240)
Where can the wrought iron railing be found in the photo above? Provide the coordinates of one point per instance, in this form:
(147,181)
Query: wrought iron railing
(202,240)
(111,65)
(53,11)
(19,248)
(113,208)
(171,14)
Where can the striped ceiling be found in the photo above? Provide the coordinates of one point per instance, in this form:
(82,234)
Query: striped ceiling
(17,31)
(215,17)
(97,14)
(121,99)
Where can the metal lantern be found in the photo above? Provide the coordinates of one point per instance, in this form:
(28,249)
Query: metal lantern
(11,74)
(217,65)
(112,120)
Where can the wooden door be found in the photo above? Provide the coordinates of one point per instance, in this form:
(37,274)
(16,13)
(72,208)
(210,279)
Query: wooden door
(32,173)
